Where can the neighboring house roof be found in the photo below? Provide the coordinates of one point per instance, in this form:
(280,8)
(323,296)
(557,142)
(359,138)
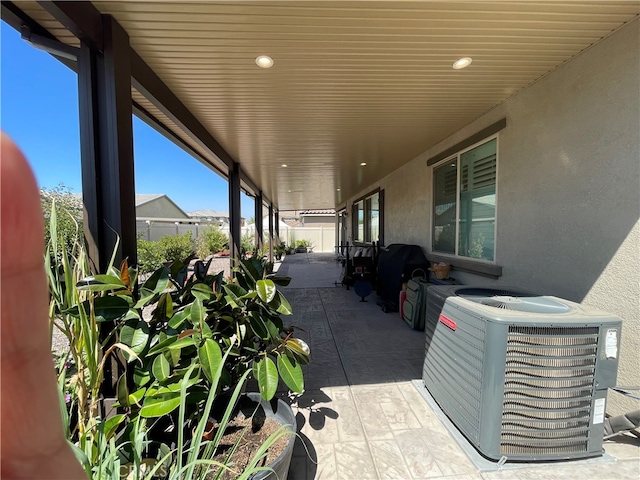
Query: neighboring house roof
(142,198)
(145,198)
(318,213)
(208,214)
(325,212)
(292,222)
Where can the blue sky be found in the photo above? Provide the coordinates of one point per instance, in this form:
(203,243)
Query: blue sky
(39,110)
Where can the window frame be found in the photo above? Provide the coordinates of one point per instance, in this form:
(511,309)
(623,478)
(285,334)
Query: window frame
(456,156)
(366,211)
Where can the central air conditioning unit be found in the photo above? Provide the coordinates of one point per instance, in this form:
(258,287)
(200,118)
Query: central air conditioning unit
(522,376)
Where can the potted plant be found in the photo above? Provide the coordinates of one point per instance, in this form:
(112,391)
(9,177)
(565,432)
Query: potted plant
(134,321)
(280,249)
(172,323)
(303,246)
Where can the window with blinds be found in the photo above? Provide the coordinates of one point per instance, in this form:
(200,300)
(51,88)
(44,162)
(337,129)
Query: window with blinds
(464,213)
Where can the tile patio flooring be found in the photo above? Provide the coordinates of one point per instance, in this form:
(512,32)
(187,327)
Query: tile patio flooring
(362,418)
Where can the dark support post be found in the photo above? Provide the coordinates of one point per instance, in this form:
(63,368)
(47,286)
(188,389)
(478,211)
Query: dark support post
(258,220)
(234,213)
(89,106)
(106,138)
(338,226)
(381,219)
(271,232)
(277,226)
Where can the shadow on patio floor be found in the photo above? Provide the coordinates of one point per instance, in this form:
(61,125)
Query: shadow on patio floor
(360,416)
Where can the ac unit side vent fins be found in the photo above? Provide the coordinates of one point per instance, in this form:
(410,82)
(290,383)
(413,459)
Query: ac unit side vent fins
(547,404)
(549,379)
(551,374)
(544,416)
(556,394)
(547,384)
(553,429)
(512,449)
(549,351)
(545,361)
(528,340)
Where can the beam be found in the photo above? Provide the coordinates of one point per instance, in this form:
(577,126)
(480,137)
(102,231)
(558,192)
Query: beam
(157,92)
(106,144)
(270,232)
(147,82)
(44,43)
(250,183)
(106,139)
(19,20)
(258,221)
(80,18)
(88,104)
(381,216)
(234,213)
(163,130)
(83,20)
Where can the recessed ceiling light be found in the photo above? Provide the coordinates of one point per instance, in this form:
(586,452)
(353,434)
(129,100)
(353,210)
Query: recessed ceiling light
(288,191)
(363,164)
(285,165)
(337,189)
(264,61)
(462,63)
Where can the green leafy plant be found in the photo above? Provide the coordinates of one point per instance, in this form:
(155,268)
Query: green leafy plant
(247,243)
(177,247)
(303,245)
(68,315)
(78,315)
(127,455)
(172,333)
(151,256)
(192,322)
(211,240)
(69,218)
(280,249)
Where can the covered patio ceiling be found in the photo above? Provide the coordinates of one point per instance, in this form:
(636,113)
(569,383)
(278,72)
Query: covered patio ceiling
(353,82)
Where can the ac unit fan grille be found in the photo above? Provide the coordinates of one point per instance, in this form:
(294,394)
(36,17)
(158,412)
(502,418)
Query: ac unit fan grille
(548,389)
(517,303)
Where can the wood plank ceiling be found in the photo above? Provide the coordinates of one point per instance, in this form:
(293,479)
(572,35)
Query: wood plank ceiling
(353,82)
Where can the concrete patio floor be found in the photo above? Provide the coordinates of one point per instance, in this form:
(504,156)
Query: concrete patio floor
(362,418)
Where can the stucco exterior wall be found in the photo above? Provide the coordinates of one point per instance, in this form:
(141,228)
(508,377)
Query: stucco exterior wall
(311,221)
(568,192)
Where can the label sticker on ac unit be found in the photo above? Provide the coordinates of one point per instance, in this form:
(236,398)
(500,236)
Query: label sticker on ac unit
(598,411)
(448,322)
(611,343)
